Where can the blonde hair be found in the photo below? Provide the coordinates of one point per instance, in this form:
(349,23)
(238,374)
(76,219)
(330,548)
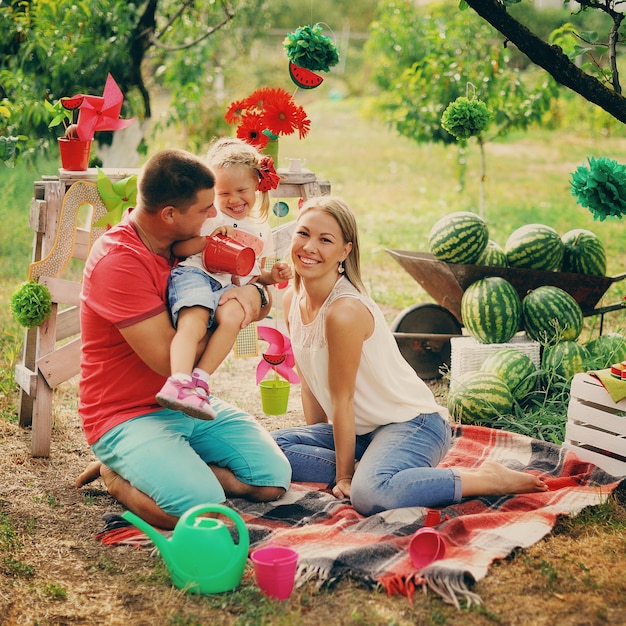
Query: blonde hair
(343,215)
(229,151)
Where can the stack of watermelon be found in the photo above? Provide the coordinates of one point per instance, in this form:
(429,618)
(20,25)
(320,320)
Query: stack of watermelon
(492,311)
(463,237)
(480,397)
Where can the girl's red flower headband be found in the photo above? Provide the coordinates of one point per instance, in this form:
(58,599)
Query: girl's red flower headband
(269,179)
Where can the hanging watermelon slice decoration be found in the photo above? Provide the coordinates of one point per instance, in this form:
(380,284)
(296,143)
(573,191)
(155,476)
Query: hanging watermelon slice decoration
(72,103)
(274,359)
(304,78)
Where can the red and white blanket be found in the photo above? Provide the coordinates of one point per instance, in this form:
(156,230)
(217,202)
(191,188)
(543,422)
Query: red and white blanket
(335,542)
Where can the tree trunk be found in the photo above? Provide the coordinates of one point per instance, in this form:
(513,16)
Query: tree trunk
(139,45)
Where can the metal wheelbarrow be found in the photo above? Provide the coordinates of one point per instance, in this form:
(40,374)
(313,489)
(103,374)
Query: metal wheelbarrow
(423,331)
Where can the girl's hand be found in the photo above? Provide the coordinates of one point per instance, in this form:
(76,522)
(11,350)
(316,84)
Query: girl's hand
(225,230)
(281,272)
(342,488)
(71,132)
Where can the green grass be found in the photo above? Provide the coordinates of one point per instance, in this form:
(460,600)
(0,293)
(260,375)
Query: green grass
(15,235)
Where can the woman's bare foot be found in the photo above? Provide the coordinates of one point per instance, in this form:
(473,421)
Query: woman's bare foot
(494,479)
(91,472)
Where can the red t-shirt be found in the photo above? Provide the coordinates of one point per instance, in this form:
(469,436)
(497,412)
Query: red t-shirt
(123,284)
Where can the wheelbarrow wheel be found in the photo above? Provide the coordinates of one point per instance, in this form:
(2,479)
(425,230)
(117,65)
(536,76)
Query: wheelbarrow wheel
(417,329)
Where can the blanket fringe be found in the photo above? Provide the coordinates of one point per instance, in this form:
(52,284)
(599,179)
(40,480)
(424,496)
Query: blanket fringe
(402,584)
(124,537)
(451,586)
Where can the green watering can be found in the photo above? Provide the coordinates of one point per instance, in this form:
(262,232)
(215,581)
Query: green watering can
(201,555)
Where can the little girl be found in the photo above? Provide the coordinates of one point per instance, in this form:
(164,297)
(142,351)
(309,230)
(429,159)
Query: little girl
(194,293)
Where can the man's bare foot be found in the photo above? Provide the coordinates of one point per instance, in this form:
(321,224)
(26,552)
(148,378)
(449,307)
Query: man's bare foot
(494,479)
(90,473)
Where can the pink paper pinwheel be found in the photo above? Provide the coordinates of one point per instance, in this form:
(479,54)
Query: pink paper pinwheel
(101,112)
(278,357)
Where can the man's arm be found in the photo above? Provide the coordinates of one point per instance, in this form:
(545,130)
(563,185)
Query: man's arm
(151,339)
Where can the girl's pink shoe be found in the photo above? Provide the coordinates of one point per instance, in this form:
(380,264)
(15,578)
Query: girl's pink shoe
(189,398)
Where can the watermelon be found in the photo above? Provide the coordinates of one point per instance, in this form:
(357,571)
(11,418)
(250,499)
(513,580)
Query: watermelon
(72,103)
(535,247)
(458,237)
(584,253)
(550,315)
(479,398)
(304,78)
(491,310)
(564,360)
(492,255)
(515,368)
(606,350)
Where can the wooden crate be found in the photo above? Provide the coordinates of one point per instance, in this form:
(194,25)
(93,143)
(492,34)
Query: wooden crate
(596,426)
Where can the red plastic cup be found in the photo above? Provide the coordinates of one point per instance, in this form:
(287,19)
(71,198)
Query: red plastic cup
(275,570)
(426,546)
(224,254)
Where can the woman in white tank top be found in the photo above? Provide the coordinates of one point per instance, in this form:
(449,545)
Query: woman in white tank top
(373,428)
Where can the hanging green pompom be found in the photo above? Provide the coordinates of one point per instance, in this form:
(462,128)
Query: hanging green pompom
(601,187)
(31,304)
(308,48)
(465,117)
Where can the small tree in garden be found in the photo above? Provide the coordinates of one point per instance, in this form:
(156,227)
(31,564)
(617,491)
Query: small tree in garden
(428,58)
(465,118)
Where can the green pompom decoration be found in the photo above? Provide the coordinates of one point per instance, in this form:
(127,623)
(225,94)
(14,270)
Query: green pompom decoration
(308,48)
(465,117)
(601,188)
(31,304)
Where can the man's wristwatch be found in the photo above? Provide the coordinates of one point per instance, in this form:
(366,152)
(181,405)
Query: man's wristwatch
(261,290)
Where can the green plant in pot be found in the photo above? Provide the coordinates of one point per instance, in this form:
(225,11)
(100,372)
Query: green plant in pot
(94,113)
(74,150)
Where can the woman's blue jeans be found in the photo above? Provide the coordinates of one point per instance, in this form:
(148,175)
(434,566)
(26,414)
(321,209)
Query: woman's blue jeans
(396,463)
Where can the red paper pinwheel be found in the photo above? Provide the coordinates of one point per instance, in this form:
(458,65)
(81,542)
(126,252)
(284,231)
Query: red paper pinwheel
(278,356)
(101,112)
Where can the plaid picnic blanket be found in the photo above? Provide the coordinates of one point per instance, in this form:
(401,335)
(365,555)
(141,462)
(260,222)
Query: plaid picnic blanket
(334,541)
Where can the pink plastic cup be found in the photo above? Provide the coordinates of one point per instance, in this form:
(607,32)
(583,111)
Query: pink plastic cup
(224,254)
(275,570)
(426,546)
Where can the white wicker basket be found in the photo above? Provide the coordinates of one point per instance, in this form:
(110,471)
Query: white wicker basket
(467,354)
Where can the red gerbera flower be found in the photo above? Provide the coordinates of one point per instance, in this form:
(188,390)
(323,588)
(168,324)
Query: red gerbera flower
(251,130)
(259,98)
(302,122)
(279,116)
(235,111)
(269,109)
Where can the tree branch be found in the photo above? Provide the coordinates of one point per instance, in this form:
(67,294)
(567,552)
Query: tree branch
(154,38)
(550,58)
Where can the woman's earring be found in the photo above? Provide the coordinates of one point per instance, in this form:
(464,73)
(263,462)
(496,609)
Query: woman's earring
(341,269)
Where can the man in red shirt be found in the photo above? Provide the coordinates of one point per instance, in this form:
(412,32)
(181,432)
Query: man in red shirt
(155,461)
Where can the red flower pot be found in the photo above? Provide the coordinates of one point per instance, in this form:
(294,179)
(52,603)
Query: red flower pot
(74,153)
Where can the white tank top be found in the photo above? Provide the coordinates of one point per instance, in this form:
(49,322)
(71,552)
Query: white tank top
(387,388)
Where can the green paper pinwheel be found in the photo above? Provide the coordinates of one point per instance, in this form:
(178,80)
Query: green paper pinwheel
(117,196)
